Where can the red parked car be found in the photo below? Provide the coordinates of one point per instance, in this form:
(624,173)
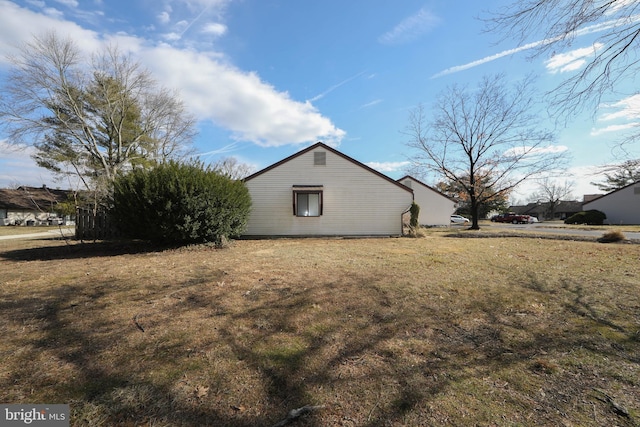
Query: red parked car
(511,217)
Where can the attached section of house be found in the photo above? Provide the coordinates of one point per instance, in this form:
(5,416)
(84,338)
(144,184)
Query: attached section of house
(621,206)
(435,207)
(320,191)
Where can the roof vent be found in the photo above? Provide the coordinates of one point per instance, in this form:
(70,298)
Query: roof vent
(319,158)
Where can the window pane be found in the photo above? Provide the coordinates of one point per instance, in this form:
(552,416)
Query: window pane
(308,204)
(314,204)
(302,204)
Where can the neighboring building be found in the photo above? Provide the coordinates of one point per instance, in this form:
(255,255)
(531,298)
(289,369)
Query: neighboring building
(30,205)
(621,206)
(320,191)
(589,197)
(542,211)
(435,207)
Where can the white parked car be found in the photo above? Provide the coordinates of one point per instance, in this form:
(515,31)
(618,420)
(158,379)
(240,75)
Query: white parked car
(458,219)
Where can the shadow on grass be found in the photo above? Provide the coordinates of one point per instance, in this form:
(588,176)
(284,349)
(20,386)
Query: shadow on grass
(293,377)
(98,393)
(299,350)
(81,250)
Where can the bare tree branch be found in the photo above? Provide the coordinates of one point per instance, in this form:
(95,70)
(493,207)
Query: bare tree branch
(556,24)
(96,117)
(487,140)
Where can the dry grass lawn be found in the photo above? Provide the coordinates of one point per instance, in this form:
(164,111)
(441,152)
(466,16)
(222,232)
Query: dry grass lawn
(500,331)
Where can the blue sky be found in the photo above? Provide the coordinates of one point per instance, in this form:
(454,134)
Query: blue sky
(266,78)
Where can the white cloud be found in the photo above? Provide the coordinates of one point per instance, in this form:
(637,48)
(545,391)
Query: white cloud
(53,12)
(17,167)
(613,128)
(628,108)
(235,100)
(486,59)
(216,5)
(182,25)
(240,101)
(388,166)
(410,28)
(595,28)
(572,60)
(626,112)
(579,177)
(619,5)
(14,29)
(528,151)
(214,28)
(208,7)
(371,104)
(164,17)
(36,3)
(68,3)
(172,37)
(335,86)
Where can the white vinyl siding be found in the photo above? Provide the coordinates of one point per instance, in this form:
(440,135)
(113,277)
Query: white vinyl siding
(621,206)
(354,200)
(435,208)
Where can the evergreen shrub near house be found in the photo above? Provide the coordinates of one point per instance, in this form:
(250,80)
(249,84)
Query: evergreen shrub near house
(180,203)
(591,217)
(414,210)
(414,227)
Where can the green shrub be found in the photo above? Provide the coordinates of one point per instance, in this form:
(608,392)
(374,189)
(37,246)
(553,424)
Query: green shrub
(180,203)
(592,217)
(415,213)
(414,226)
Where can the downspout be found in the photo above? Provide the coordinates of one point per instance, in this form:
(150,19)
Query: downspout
(402,222)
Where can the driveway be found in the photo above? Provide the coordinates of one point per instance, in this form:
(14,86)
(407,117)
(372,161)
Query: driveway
(49,233)
(542,227)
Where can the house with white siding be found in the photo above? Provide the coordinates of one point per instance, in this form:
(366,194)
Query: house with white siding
(621,206)
(435,207)
(31,205)
(320,191)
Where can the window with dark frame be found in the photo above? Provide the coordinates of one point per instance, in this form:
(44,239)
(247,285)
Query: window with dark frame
(307,201)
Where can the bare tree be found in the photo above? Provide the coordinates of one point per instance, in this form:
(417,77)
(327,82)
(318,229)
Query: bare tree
(91,117)
(559,22)
(487,140)
(232,168)
(551,192)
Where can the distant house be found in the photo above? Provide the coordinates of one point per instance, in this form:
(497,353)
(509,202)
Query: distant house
(435,207)
(589,197)
(30,205)
(621,206)
(543,211)
(320,191)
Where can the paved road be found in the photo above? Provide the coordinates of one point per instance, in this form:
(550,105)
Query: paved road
(550,229)
(538,228)
(48,233)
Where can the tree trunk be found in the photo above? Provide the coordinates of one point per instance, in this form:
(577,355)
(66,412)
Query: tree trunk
(474,213)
